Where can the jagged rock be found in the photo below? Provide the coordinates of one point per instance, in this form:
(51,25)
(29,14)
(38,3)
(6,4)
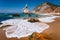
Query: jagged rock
(57,10)
(25,9)
(47,8)
(33,20)
(1,23)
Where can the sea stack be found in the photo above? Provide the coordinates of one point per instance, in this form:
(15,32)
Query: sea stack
(25,9)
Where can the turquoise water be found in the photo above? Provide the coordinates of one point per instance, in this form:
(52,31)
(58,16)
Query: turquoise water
(4,16)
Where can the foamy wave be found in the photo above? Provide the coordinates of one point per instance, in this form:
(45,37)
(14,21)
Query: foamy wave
(48,19)
(22,28)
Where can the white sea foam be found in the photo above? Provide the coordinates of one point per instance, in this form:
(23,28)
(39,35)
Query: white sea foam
(48,19)
(22,28)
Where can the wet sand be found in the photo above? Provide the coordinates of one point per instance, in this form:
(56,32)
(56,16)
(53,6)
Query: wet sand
(53,31)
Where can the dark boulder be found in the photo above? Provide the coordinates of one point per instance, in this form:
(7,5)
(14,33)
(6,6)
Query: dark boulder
(1,23)
(33,20)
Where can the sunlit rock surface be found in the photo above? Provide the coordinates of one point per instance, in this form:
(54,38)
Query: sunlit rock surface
(47,7)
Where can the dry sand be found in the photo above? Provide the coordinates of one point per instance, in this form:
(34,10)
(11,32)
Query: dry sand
(53,31)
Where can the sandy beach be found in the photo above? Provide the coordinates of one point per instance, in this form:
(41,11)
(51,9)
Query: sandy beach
(53,31)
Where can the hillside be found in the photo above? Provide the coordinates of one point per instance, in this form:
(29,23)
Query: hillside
(47,7)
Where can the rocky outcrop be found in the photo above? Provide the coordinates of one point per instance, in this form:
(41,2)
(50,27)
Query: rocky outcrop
(39,36)
(57,10)
(32,20)
(47,8)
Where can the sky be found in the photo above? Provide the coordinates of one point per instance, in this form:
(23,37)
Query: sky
(15,6)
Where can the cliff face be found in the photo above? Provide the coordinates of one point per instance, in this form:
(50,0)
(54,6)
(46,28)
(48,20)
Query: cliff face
(47,8)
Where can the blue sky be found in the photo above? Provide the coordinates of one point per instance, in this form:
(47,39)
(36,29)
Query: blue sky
(15,6)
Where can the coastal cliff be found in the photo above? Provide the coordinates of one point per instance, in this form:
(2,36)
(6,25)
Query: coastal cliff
(47,7)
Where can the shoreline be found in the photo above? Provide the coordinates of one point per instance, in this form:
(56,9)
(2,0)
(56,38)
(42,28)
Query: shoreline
(52,31)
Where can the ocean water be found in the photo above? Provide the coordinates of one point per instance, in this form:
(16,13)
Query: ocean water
(6,16)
